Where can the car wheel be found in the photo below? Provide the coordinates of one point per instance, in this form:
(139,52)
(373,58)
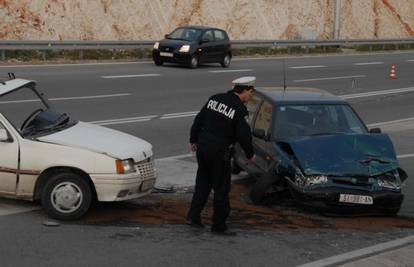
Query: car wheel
(225,63)
(158,62)
(66,196)
(193,62)
(235,168)
(260,189)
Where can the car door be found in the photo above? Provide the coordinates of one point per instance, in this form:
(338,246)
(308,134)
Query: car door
(240,157)
(221,46)
(9,151)
(263,146)
(206,48)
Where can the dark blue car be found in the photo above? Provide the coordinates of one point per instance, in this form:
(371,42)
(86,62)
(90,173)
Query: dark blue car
(192,46)
(314,145)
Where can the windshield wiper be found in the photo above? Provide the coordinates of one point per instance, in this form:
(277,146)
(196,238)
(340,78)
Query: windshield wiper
(181,39)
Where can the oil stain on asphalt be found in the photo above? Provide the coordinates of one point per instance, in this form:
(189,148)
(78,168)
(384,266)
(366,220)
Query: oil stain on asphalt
(170,209)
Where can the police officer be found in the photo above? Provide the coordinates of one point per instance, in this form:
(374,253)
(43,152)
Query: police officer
(219,124)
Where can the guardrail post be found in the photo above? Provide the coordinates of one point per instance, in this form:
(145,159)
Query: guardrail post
(80,54)
(44,55)
(306,49)
(3,55)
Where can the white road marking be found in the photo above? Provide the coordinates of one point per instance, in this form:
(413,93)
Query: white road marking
(65,98)
(74,64)
(224,71)
(330,78)
(364,252)
(381,92)
(389,122)
(405,156)
(410,60)
(131,76)
(368,63)
(124,120)
(307,67)
(179,115)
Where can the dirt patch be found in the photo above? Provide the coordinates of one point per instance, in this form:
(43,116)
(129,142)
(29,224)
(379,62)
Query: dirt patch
(158,209)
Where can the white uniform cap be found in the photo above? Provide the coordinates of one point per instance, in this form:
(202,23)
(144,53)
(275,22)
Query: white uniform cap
(245,81)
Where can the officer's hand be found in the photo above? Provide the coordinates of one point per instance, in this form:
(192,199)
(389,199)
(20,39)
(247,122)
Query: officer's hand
(252,159)
(192,147)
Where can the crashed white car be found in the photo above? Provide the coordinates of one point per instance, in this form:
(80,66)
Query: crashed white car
(66,164)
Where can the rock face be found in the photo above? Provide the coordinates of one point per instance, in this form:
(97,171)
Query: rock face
(243,19)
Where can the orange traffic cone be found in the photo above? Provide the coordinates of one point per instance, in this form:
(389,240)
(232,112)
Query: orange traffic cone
(393,73)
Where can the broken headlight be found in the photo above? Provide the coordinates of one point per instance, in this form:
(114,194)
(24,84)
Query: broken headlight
(316,180)
(304,181)
(390,180)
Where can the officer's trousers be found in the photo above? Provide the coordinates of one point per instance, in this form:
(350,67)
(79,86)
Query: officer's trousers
(214,172)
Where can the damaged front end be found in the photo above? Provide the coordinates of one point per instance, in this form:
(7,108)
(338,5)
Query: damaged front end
(345,173)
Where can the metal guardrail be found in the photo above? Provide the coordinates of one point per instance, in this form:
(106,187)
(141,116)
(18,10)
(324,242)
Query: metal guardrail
(93,45)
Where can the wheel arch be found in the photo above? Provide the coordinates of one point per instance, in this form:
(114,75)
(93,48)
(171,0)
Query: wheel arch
(49,172)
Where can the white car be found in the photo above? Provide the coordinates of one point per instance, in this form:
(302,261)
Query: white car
(66,164)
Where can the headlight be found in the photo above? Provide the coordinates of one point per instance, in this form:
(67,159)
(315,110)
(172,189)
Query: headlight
(185,49)
(156,45)
(390,181)
(125,166)
(316,180)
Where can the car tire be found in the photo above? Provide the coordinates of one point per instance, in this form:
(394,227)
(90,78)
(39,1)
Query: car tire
(259,190)
(158,62)
(193,62)
(66,196)
(235,168)
(225,62)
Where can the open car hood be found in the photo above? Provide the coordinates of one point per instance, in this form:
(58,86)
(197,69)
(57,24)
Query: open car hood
(344,154)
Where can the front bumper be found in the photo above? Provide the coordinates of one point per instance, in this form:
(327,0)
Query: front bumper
(327,200)
(180,58)
(119,187)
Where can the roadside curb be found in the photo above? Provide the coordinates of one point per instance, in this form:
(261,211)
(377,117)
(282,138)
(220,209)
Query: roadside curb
(362,253)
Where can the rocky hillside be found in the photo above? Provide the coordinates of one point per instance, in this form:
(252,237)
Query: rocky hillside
(243,19)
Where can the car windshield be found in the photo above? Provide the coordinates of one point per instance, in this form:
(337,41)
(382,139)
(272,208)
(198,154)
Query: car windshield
(187,34)
(29,115)
(309,120)
(345,155)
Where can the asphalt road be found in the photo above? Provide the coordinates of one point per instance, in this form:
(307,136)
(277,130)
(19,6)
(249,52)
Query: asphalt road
(159,104)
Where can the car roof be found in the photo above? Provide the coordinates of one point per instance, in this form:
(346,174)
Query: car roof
(299,95)
(200,27)
(12,85)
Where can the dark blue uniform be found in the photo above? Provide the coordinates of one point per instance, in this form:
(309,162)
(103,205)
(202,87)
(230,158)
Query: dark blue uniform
(219,124)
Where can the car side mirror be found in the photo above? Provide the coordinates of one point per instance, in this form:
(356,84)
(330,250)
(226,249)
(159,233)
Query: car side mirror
(166,36)
(375,130)
(4,136)
(260,133)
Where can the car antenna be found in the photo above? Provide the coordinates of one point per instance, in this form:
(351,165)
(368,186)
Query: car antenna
(284,76)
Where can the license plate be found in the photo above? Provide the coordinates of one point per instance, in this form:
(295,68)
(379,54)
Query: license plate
(357,199)
(147,185)
(165,54)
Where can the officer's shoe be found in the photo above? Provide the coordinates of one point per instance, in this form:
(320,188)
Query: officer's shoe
(223,232)
(194,223)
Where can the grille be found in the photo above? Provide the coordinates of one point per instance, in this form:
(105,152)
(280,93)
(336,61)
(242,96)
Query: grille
(146,170)
(167,49)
